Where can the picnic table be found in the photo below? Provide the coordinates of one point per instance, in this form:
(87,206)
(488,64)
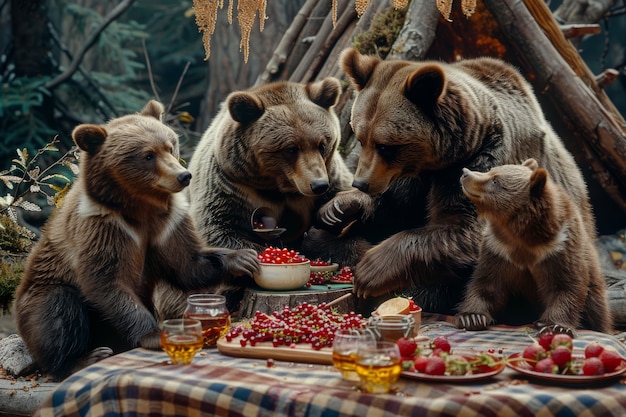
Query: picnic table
(142,382)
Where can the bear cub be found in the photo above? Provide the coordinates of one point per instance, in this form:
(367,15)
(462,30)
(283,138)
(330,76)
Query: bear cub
(122,228)
(535,243)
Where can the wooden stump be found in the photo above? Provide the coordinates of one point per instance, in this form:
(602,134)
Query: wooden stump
(257,299)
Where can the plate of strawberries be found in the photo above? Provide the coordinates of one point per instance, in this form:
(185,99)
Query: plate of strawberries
(553,358)
(440,363)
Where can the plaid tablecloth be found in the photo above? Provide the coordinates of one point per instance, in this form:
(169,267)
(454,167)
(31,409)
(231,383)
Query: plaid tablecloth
(140,382)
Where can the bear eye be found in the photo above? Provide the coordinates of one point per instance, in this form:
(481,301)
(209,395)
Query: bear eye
(292,150)
(322,148)
(149,157)
(388,152)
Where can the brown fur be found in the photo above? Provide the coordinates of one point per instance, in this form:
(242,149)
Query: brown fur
(122,228)
(272,146)
(536,244)
(419,124)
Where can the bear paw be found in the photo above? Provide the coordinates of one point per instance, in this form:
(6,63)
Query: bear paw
(342,211)
(544,327)
(241,262)
(473,321)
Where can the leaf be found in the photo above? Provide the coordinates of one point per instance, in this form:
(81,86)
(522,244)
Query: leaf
(35,188)
(29,206)
(34,173)
(59,176)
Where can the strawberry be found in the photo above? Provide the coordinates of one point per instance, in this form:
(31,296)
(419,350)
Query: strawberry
(435,366)
(534,352)
(561,356)
(562,339)
(545,339)
(420,363)
(441,342)
(547,365)
(592,366)
(407,347)
(610,359)
(593,350)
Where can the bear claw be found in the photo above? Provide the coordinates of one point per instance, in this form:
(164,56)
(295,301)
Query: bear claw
(473,321)
(555,328)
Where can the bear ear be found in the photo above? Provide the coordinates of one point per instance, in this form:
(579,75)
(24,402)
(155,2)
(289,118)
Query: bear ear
(244,107)
(324,93)
(531,163)
(425,86)
(89,138)
(153,109)
(359,68)
(538,180)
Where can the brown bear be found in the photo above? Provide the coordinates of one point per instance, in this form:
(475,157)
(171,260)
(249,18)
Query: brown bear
(535,243)
(123,227)
(419,124)
(272,146)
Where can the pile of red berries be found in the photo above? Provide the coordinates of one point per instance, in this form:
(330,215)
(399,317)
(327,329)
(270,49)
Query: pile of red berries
(305,323)
(319,262)
(441,360)
(272,255)
(553,353)
(319,278)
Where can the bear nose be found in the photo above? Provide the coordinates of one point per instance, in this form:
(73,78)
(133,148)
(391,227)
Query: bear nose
(466,173)
(361,185)
(184,178)
(320,186)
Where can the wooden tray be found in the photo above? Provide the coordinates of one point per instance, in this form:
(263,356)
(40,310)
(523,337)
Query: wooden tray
(265,350)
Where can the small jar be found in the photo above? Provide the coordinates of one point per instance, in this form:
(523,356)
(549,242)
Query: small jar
(392,327)
(211,310)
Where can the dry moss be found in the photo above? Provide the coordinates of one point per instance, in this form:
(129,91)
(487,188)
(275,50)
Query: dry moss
(383,32)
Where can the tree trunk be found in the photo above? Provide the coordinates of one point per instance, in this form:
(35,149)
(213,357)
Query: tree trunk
(31,38)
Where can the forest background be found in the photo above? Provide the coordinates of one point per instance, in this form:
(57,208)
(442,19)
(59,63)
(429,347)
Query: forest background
(65,62)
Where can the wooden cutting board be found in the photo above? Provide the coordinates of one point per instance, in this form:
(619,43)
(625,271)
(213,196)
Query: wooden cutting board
(265,350)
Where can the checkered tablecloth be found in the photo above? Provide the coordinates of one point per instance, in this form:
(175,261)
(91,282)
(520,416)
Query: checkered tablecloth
(140,382)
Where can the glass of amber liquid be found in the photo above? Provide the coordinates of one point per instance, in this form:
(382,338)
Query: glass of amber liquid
(345,347)
(181,339)
(211,311)
(378,366)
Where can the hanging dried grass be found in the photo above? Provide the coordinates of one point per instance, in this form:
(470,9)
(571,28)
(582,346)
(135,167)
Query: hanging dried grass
(206,16)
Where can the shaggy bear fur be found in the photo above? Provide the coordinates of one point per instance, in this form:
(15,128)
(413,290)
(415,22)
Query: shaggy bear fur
(535,243)
(271,146)
(419,124)
(122,228)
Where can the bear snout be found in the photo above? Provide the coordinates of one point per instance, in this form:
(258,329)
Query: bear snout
(184,178)
(320,186)
(361,185)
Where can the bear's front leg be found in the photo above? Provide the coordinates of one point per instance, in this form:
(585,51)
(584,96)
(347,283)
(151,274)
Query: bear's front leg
(347,207)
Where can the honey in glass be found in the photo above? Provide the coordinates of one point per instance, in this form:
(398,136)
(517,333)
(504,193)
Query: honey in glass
(211,311)
(181,339)
(378,367)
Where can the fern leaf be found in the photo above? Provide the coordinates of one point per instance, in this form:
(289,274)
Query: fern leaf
(29,206)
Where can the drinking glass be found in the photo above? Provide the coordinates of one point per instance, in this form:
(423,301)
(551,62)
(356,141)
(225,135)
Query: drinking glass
(211,311)
(345,347)
(181,339)
(378,366)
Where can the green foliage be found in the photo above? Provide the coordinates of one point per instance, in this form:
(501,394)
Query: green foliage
(383,32)
(26,178)
(14,238)
(11,272)
(20,121)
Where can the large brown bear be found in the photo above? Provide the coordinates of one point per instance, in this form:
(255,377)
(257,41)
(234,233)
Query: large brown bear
(536,243)
(271,146)
(122,228)
(419,124)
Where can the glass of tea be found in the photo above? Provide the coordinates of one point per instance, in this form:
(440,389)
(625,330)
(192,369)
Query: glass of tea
(211,311)
(378,366)
(345,346)
(181,339)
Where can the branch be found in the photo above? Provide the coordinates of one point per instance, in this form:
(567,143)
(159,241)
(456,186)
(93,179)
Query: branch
(110,18)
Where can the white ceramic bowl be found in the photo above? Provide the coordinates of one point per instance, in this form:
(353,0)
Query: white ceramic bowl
(283,276)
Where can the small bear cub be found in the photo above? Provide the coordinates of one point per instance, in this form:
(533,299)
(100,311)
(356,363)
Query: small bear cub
(535,244)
